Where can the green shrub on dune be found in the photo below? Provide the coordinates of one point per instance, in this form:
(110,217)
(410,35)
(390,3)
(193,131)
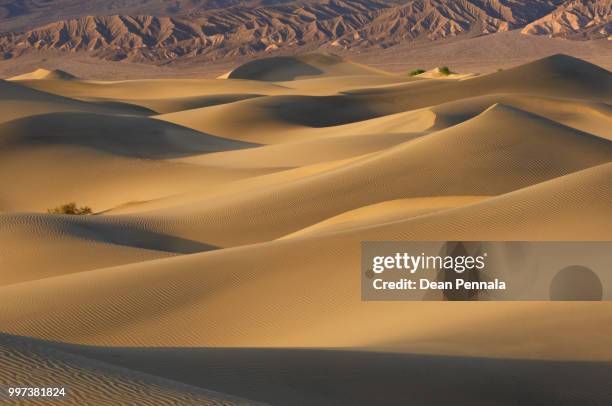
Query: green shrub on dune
(444,70)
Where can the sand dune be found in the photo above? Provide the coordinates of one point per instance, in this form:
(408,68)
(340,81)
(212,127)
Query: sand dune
(329,85)
(439,73)
(245,184)
(277,69)
(100,241)
(386,212)
(466,151)
(304,152)
(124,135)
(554,76)
(595,118)
(91,176)
(151,89)
(45,74)
(558,79)
(279,118)
(18,101)
(228,220)
(171,105)
(133,304)
(477,157)
(557,75)
(267,116)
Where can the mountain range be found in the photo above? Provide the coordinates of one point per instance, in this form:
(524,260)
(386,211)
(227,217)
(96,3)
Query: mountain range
(576,19)
(158,31)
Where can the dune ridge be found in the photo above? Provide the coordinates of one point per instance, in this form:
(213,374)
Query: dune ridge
(45,74)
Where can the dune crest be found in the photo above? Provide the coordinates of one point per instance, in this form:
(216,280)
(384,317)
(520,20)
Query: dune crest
(279,69)
(45,74)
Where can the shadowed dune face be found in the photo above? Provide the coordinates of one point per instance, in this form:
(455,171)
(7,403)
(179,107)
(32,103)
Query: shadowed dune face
(227,221)
(35,362)
(279,69)
(18,101)
(288,69)
(117,135)
(303,376)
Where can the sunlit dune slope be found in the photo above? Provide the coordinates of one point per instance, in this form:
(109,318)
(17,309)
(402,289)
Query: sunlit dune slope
(329,85)
(31,243)
(482,156)
(467,162)
(554,76)
(386,212)
(151,89)
(45,74)
(304,152)
(173,104)
(587,116)
(157,303)
(96,178)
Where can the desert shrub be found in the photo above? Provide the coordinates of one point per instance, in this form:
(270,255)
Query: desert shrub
(71,208)
(444,70)
(417,72)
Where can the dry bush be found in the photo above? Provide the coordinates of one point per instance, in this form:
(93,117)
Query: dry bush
(71,208)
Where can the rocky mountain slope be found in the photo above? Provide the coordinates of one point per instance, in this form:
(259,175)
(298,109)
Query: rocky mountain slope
(24,15)
(576,19)
(216,29)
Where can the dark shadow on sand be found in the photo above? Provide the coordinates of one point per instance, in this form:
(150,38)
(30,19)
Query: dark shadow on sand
(353,378)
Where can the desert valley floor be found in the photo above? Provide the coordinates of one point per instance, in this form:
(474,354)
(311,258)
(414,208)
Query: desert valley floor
(221,264)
